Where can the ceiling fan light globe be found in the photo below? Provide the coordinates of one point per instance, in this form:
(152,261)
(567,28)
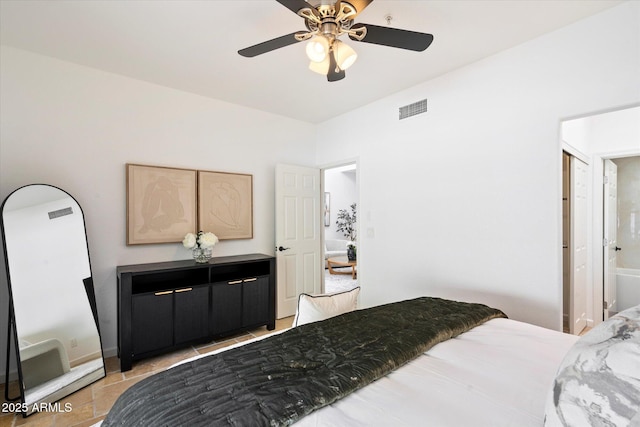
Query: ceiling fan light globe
(317,49)
(320,67)
(345,55)
(348,62)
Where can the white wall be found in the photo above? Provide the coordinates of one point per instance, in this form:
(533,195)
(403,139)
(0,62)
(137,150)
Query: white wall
(615,132)
(341,185)
(464,201)
(76,128)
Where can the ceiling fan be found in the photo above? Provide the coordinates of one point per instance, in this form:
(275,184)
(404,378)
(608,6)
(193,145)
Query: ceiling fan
(326,22)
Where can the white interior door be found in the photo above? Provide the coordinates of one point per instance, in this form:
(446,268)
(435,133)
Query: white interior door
(298,239)
(578,247)
(610,215)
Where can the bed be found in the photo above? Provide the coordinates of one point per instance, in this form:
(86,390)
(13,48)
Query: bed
(398,365)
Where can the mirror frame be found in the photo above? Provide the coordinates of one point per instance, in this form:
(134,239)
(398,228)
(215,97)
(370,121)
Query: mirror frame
(12,333)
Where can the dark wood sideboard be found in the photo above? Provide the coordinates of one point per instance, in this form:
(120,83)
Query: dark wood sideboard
(167,305)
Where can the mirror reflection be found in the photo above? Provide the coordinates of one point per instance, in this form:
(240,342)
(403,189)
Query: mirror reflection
(55,327)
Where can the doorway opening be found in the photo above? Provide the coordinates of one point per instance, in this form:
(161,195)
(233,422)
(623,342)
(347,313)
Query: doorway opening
(339,242)
(601,139)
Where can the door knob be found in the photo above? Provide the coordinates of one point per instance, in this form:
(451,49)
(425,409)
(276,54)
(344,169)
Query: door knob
(280,248)
(617,249)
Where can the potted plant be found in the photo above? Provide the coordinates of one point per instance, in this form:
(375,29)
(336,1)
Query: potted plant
(346,224)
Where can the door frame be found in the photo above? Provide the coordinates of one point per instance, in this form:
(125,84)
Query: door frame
(323,169)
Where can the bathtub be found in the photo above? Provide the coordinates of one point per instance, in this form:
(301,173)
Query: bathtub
(627,288)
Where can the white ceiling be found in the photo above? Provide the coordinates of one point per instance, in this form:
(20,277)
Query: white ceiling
(192,45)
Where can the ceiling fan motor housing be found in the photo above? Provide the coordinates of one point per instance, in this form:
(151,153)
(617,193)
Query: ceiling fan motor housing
(328,20)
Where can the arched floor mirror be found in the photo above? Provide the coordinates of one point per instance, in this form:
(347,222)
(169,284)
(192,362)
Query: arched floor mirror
(52,313)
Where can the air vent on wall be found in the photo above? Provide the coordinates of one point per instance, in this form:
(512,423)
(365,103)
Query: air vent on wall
(413,109)
(60,212)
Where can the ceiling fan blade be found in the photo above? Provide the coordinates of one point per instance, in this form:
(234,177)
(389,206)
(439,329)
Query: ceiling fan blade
(269,45)
(360,5)
(294,5)
(393,37)
(335,73)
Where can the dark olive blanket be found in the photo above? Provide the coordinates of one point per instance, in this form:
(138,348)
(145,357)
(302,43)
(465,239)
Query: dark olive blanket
(278,380)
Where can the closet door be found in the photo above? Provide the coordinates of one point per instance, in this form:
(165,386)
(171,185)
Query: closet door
(578,246)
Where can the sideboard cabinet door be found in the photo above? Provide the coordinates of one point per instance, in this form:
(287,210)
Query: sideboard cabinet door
(191,320)
(226,306)
(152,321)
(255,301)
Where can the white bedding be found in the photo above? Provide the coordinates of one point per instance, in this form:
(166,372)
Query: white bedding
(497,374)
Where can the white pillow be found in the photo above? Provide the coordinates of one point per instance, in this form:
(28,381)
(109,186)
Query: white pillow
(312,308)
(598,382)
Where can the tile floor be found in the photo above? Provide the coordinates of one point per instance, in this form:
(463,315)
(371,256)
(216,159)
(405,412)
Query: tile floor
(91,404)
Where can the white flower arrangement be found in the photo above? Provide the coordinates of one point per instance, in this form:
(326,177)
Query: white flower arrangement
(201,240)
(351,244)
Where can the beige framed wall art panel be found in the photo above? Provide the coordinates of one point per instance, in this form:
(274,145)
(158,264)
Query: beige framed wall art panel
(225,204)
(161,204)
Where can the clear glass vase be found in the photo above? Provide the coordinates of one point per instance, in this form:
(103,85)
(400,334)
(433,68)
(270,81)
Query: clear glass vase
(202,255)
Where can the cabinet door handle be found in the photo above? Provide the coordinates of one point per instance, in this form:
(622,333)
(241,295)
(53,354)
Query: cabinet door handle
(253,279)
(163,293)
(183,290)
(235,282)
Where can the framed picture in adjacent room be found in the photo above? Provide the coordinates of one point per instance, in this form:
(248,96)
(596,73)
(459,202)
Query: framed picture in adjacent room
(327,209)
(225,204)
(161,204)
